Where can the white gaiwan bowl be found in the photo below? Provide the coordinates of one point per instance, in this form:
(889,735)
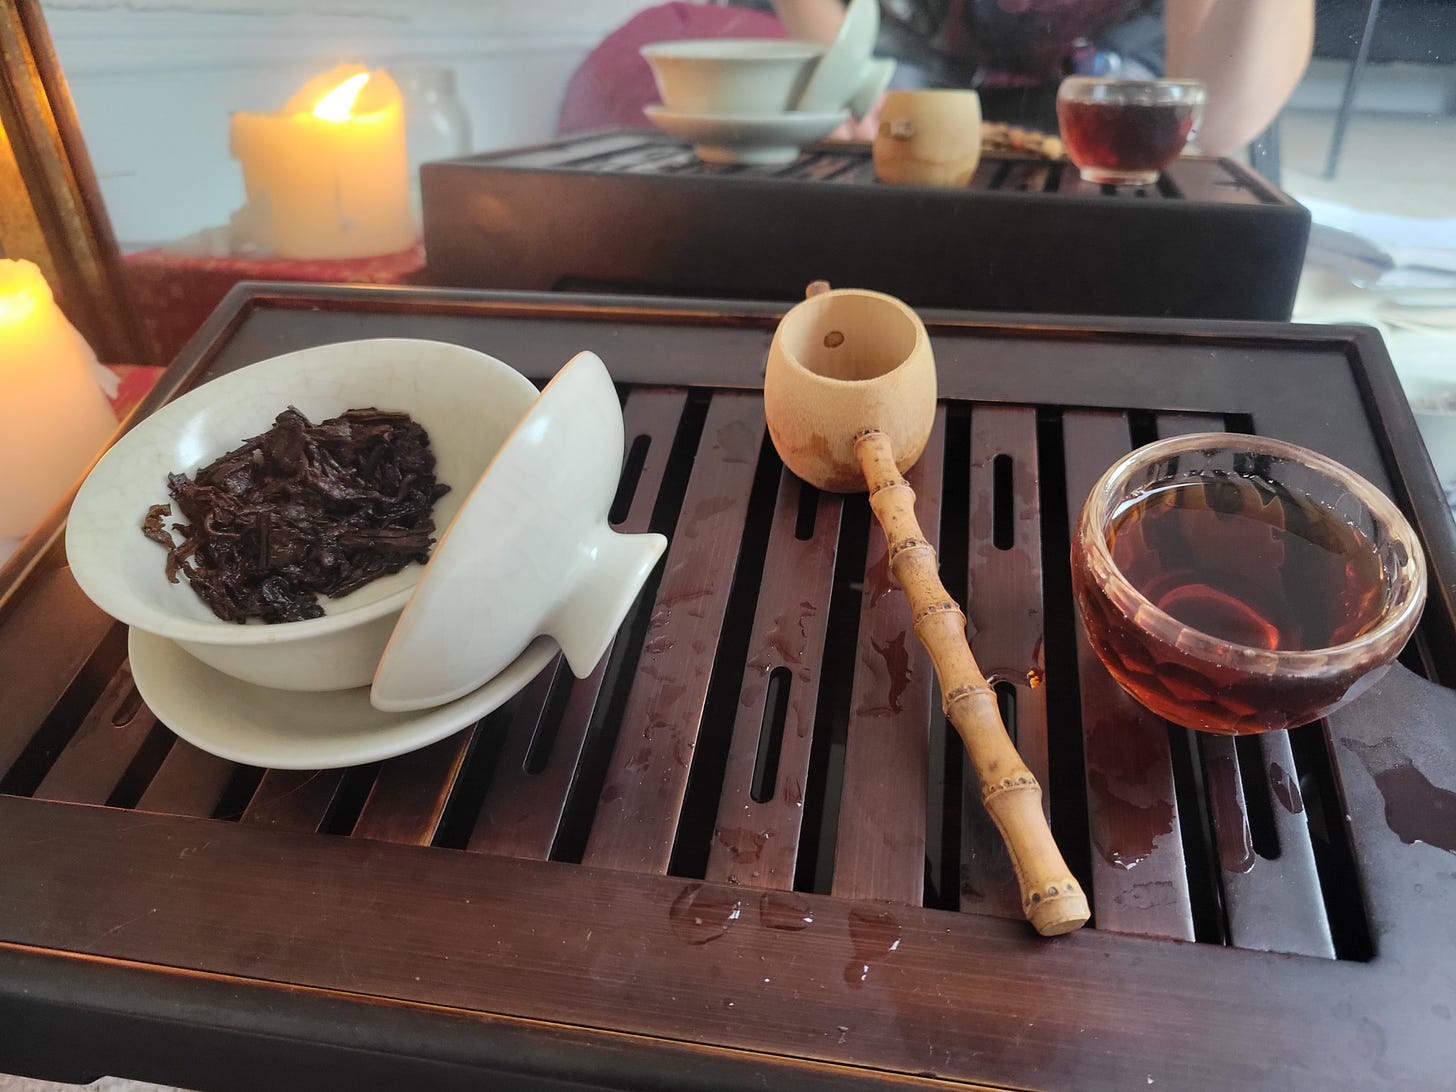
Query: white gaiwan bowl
(466,401)
(530,553)
(734,76)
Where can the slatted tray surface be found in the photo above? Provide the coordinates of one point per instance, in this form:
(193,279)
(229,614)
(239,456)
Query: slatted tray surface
(1192,178)
(747,848)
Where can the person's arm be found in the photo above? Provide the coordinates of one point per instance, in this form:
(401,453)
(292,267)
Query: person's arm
(815,20)
(1250,53)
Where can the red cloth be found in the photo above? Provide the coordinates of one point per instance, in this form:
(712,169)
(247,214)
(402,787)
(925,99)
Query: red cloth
(175,293)
(136,381)
(614,83)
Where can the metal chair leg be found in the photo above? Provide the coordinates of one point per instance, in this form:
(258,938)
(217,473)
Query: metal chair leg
(1347,101)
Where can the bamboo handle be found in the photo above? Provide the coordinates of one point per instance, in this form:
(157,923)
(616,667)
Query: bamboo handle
(1052,900)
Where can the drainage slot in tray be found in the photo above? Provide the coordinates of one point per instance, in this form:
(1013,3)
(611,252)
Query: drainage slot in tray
(715,732)
(771,734)
(1066,778)
(1334,857)
(60,725)
(815,868)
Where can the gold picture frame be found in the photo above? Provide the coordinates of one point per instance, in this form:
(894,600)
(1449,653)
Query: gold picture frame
(51,210)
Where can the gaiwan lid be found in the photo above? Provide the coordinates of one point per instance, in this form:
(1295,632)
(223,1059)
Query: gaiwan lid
(530,552)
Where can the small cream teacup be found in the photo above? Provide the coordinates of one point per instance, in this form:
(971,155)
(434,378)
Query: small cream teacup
(840,362)
(928,138)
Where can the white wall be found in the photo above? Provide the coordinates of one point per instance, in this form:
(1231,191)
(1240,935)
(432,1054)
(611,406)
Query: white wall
(154,82)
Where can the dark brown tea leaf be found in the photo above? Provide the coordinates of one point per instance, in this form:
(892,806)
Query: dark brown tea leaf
(300,511)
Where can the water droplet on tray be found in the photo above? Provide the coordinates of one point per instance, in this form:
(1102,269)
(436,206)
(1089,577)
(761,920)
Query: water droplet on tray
(700,914)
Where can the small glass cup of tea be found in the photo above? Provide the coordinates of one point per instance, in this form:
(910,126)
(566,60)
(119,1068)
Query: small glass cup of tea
(1123,132)
(1240,584)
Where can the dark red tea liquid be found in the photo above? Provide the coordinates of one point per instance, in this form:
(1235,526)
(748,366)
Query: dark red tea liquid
(1243,563)
(1124,141)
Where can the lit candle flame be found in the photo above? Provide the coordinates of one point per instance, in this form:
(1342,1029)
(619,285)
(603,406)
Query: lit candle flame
(22,289)
(338,104)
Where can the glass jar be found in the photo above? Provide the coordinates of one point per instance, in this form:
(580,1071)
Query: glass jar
(437,125)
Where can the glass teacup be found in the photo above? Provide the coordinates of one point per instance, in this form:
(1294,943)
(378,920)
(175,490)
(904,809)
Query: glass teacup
(1239,584)
(1123,132)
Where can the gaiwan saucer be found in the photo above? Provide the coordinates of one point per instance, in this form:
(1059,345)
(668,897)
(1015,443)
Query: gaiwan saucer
(754,139)
(302,730)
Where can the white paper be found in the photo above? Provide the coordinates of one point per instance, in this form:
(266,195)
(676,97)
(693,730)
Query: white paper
(1414,245)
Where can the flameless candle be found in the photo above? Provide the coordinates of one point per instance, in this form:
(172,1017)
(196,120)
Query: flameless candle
(53,417)
(328,176)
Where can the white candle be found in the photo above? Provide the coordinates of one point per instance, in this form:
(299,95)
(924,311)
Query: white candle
(328,176)
(53,417)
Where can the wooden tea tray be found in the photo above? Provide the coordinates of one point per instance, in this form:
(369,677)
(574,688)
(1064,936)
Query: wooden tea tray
(638,212)
(743,853)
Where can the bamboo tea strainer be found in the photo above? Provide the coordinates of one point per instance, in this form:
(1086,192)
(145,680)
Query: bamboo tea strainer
(849,396)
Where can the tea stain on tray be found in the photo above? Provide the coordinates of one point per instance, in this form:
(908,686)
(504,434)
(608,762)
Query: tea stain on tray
(1121,774)
(745,846)
(738,442)
(789,637)
(1286,789)
(895,658)
(1415,809)
(1236,845)
(701,915)
(785,911)
(1147,896)
(874,935)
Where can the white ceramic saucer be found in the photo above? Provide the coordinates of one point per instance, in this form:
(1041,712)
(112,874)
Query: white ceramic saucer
(296,730)
(764,139)
(842,68)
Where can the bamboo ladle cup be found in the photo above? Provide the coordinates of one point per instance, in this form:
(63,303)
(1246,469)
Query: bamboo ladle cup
(849,395)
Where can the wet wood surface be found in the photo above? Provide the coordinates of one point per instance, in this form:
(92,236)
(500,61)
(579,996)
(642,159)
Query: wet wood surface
(1139,872)
(1270,884)
(523,811)
(408,797)
(880,847)
(756,835)
(1005,614)
(846,982)
(648,772)
(91,767)
(188,782)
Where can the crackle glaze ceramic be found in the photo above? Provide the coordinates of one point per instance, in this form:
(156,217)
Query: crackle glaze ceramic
(530,553)
(732,75)
(468,403)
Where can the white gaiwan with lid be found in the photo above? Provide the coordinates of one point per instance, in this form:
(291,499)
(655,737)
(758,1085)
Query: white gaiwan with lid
(527,551)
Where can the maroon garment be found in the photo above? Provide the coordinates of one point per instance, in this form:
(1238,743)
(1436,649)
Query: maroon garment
(613,84)
(1025,42)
